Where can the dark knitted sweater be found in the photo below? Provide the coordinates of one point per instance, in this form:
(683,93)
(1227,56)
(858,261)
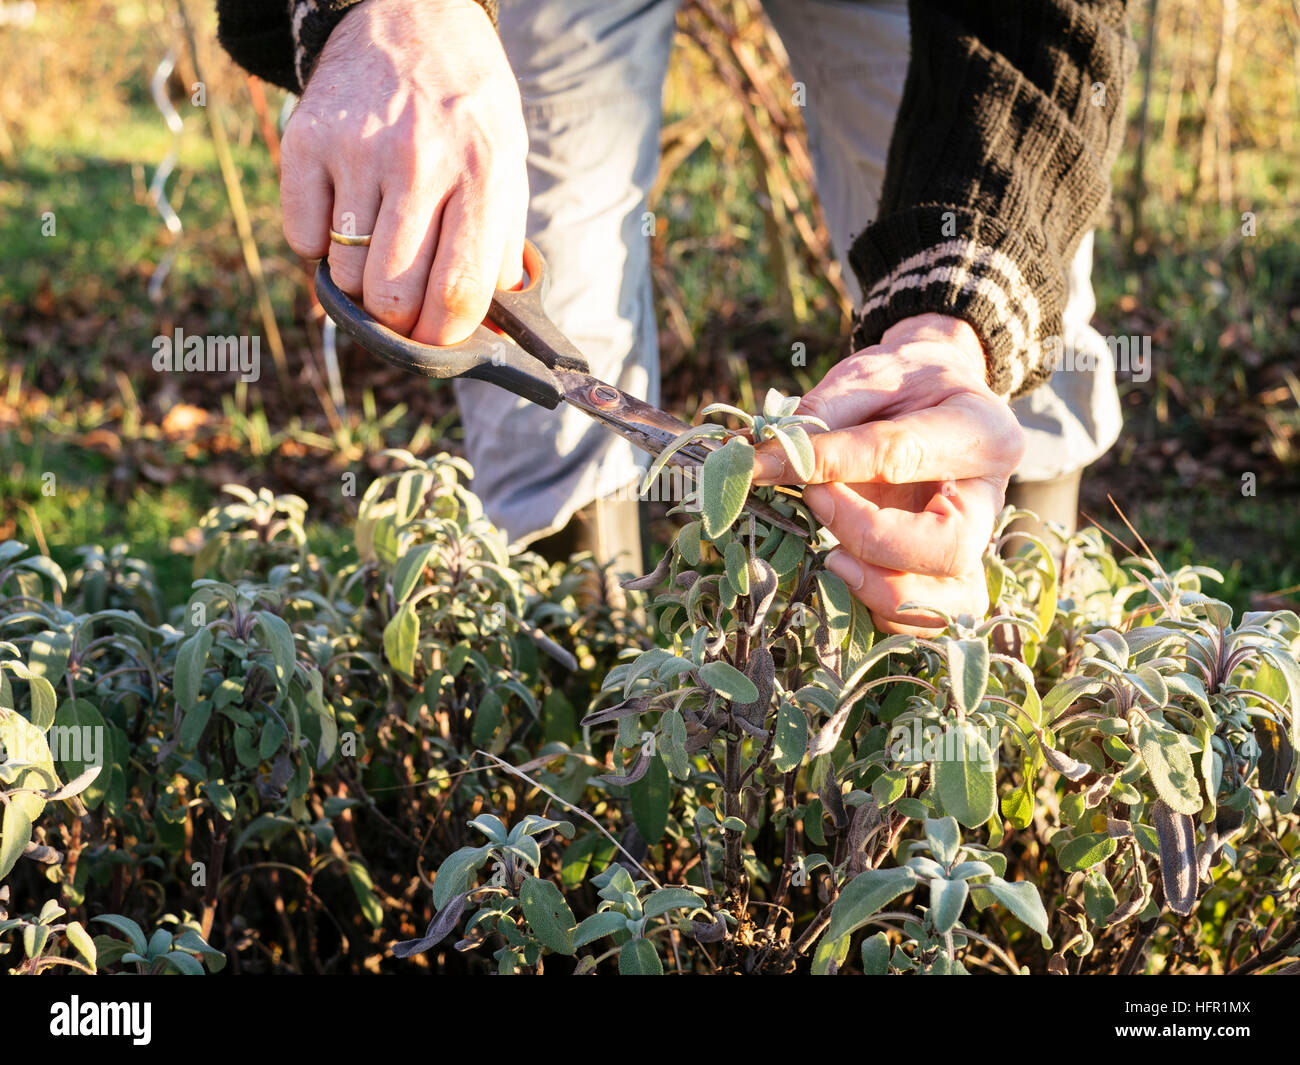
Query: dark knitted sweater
(1011,117)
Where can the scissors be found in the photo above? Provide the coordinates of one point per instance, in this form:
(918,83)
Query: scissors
(528,355)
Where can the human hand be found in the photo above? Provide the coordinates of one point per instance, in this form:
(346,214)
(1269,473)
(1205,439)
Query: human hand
(411,129)
(913,472)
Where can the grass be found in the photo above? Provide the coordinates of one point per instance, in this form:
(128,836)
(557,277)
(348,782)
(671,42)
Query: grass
(78,506)
(1254,542)
(76,321)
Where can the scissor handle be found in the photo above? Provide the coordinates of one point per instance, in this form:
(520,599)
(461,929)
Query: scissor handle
(519,314)
(485,355)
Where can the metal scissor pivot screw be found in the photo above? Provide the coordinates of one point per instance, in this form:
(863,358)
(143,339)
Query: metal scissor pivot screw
(604,396)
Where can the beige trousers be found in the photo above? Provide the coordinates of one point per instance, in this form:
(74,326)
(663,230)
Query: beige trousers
(591,73)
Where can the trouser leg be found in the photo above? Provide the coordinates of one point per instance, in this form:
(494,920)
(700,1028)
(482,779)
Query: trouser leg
(1055,500)
(852,59)
(591,76)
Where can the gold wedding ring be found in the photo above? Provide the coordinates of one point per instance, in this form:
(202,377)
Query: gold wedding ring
(351,240)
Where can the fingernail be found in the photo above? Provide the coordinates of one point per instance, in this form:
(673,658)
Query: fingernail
(846,568)
(821,503)
(767,467)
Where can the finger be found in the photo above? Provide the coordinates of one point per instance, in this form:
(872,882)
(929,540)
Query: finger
(872,386)
(965,436)
(884,591)
(356,207)
(947,538)
(512,261)
(306,198)
(466,266)
(401,255)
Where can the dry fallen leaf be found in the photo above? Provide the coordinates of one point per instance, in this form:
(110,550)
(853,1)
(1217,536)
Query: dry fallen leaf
(183,419)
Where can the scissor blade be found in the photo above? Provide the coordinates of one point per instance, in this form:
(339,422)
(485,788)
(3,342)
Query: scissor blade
(649,428)
(652,430)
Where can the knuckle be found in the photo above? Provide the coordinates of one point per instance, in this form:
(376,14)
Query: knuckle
(396,305)
(462,294)
(488,135)
(346,271)
(831,463)
(306,137)
(814,404)
(294,144)
(901,455)
(301,238)
(955,557)
(890,610)
(1009,440)
(882,623)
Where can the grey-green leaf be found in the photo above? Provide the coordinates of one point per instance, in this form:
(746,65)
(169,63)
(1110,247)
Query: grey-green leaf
(968,672)
(548,914)
(791,742)
(724,485)
(966,781)
(1022,899)
(728,681)
(947,900)
(597,926)
(191,658)
(671,898)
(639,958)
(865,895)
(401,636)
(798,449)
(1169,762)
(875,955)
(408,570)
(1177,835)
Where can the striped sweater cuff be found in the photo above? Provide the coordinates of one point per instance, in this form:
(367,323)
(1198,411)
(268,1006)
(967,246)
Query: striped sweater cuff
(945,260)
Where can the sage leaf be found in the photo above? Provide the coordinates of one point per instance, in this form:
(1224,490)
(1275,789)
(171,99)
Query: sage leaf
(1276,756)
(875,955)
(968,672)
(444,921)
(1022,899)
(191,657)
(695,432)
(791,742)
(1177,835)
(1083,852)
(401,635)
(409,568)
(597,926)
(1169,763)
(865,895)
(456,872)
(15,832)
(672,743)
(649,798)
(548,914)
(798,449)
(947,900)
(966,782)
(728,681)
(724,485)
(639,958)
(667,899)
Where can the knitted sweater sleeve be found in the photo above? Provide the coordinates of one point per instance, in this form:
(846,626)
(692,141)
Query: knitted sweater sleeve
(280,40)
(1012,114)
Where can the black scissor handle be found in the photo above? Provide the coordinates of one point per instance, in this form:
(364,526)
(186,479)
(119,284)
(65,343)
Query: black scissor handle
(484,356)
(519,314)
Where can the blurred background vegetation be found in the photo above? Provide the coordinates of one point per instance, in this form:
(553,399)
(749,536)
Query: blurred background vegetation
(1199,251)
